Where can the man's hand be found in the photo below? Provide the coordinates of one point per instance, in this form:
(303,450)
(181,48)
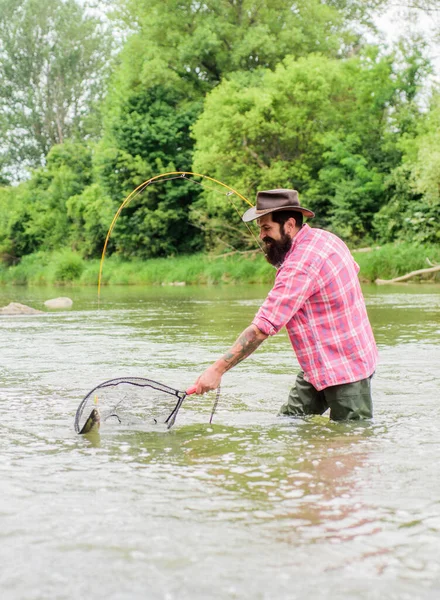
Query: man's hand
(247,342)
(208,380)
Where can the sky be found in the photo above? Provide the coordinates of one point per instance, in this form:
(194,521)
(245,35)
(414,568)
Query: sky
(395,22)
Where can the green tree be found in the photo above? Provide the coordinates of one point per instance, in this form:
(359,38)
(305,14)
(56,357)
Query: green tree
(90,214)
(146,134)
(54,59)
(197,43)
(35,213)
(413,211)
(323,126)
(15,239)
(178,51)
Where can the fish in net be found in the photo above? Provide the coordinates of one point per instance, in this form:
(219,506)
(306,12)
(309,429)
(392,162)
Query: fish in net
(129,401)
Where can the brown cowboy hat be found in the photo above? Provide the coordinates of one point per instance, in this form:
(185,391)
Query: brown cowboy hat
(274,200)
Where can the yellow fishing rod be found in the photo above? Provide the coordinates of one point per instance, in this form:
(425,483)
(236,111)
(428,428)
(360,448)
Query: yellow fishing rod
(140,188)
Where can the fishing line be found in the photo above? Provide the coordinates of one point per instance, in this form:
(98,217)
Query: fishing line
(140,188)
(107,404)
(214,407)
(228,195)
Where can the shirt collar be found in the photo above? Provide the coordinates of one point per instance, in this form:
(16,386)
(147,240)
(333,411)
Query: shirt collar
(298,237)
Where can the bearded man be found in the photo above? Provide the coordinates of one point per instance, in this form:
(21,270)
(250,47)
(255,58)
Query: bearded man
(318,298)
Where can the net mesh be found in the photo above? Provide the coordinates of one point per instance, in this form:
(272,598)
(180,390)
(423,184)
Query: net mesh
(129,401)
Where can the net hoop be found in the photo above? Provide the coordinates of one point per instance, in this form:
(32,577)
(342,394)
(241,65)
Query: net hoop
(137,382)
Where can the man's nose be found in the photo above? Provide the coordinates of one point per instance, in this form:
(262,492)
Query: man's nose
(262,234)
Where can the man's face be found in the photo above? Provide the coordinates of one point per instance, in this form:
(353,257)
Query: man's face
(277,242)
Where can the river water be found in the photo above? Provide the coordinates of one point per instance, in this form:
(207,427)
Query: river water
(253,506)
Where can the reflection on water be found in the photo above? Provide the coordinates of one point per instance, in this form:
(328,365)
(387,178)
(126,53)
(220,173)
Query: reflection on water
(253,506)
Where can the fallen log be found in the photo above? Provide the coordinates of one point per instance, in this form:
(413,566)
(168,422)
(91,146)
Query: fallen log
(408,275)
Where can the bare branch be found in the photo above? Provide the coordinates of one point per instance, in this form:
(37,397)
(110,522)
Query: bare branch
(408,275)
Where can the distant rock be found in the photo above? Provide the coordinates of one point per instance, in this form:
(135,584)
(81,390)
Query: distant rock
(178,283)
(15,308)
(59,303)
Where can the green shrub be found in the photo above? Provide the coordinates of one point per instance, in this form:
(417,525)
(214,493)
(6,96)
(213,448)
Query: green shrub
(395,260)
(42,268)
(68,267)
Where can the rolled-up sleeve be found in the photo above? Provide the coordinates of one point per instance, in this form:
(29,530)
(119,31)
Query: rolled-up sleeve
(291,290)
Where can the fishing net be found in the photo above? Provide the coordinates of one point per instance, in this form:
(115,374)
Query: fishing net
(129,401)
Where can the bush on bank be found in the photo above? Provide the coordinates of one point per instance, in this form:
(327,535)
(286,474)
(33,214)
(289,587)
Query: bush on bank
(69,268)
(64,268)
(394,260)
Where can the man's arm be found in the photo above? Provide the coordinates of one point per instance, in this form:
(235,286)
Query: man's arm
(246,343)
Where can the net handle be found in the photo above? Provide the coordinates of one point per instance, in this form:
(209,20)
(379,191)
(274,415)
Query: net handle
(170,421)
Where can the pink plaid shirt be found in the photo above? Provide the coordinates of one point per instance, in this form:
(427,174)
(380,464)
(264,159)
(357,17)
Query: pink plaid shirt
(317,296)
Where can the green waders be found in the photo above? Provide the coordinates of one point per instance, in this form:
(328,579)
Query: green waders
(349,401)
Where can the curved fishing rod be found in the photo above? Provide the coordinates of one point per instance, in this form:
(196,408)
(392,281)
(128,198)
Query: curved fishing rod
(140,188)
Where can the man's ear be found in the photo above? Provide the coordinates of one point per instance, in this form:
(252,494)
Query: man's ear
(290,226)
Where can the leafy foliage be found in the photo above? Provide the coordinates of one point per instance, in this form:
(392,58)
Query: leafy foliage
(34,214)
(179,50)
(195,44)
(325,127)
(256,93)
(54,59)
(414,209)
(147,135)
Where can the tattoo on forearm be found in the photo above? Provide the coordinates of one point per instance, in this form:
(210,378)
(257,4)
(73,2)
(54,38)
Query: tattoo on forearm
(243,347)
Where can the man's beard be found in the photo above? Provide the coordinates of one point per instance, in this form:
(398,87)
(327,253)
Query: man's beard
(276,250)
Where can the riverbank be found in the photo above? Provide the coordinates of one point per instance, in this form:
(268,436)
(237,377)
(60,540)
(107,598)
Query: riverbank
(68,268)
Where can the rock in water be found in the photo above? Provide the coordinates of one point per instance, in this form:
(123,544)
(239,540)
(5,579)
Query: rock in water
(59,303)
(15,308)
